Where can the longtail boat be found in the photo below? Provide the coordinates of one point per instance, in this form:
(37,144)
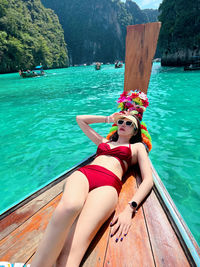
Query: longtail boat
(31,74)
(98,66)
(194,64)
(36,72)
(118,64)
(158,236)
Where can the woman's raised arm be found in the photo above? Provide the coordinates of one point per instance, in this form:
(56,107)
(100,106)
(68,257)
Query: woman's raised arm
(146,174)
(84,121)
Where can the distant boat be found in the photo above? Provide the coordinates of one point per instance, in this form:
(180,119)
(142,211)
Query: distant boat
(194,65)
(118,64)
(37,71)
(156,60)
(98,66)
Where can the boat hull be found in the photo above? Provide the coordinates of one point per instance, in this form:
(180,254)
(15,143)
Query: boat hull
(191,68)
(31,75)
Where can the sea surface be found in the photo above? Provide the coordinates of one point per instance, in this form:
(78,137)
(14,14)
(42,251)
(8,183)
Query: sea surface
(40,138)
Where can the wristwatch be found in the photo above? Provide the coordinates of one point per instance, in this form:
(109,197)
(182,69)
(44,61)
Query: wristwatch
(133,205)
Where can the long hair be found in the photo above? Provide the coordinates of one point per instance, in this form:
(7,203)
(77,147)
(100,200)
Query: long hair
(134,139)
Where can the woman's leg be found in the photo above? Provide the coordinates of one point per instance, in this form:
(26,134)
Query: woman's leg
(99,205)
(70,205)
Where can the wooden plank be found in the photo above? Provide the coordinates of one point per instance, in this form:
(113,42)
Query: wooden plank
(19,216)
(95,254)
(163,238)
(135,249)
(141,42)
(165,244)
(21,244)
(176,211)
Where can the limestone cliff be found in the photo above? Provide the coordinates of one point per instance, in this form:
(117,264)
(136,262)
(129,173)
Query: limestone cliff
(96,30)
(29,35)
(179,40)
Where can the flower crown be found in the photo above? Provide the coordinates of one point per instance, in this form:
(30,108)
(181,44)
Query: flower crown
(135,102)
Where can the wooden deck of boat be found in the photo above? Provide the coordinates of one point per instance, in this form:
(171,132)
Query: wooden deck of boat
(151,240)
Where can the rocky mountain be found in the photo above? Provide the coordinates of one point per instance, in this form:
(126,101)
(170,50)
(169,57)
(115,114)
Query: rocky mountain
(179,40)
(95,30)
(29,35)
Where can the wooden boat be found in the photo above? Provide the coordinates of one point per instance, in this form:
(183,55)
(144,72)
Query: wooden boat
(158,236)
(98,66)
(38,71)
(31,74)
(118,65)
(194,65)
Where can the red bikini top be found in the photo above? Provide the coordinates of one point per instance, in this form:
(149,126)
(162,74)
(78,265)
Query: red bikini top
(121,153)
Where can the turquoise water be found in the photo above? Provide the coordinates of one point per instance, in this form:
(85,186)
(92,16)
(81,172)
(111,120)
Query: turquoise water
(40,138)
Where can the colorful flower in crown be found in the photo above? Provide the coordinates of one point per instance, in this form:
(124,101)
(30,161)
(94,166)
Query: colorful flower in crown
(136,101)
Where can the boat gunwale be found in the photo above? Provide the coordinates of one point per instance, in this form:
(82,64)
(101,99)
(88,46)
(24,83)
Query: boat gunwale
(38,192)
(185,237)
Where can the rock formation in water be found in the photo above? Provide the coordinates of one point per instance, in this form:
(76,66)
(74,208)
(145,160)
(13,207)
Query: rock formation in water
(95,30)
(179,40)
(29,35)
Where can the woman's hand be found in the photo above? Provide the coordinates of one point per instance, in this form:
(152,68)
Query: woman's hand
(111,117)
(121,224)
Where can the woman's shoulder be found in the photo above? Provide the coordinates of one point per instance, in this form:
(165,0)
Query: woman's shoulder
(138,150)
(103,140)
(138,147)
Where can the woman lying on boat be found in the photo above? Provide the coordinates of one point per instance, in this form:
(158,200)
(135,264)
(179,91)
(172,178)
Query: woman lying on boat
(91,193)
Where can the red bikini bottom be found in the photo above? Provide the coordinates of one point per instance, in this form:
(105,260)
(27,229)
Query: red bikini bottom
(99,176)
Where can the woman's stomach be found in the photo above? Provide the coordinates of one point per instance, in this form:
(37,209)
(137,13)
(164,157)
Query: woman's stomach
(110,163)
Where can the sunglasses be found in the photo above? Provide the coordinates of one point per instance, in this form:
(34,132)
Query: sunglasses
(128,123)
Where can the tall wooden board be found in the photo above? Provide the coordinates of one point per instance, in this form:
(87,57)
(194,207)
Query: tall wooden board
(141,42)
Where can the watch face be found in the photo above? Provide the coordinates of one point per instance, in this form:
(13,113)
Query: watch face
(134,204)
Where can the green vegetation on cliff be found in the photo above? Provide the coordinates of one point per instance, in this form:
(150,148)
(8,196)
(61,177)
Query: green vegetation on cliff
(29,35)
(179,39)
(95,30)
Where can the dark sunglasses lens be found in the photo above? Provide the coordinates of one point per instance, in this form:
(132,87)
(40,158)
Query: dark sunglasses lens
(129,123)
(120,122)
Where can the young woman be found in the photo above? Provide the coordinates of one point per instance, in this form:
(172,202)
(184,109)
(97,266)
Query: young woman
(91,193)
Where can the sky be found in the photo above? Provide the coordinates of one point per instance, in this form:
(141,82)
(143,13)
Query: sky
(143,4)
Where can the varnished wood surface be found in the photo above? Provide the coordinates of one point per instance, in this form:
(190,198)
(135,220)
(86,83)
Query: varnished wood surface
(21,243)
(119,253)
(141,43)
(164,241)
(150,242)
(16,218)
(176,212)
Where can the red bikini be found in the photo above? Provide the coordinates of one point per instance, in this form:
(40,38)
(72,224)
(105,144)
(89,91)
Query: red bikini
(121,153)
(99,176)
